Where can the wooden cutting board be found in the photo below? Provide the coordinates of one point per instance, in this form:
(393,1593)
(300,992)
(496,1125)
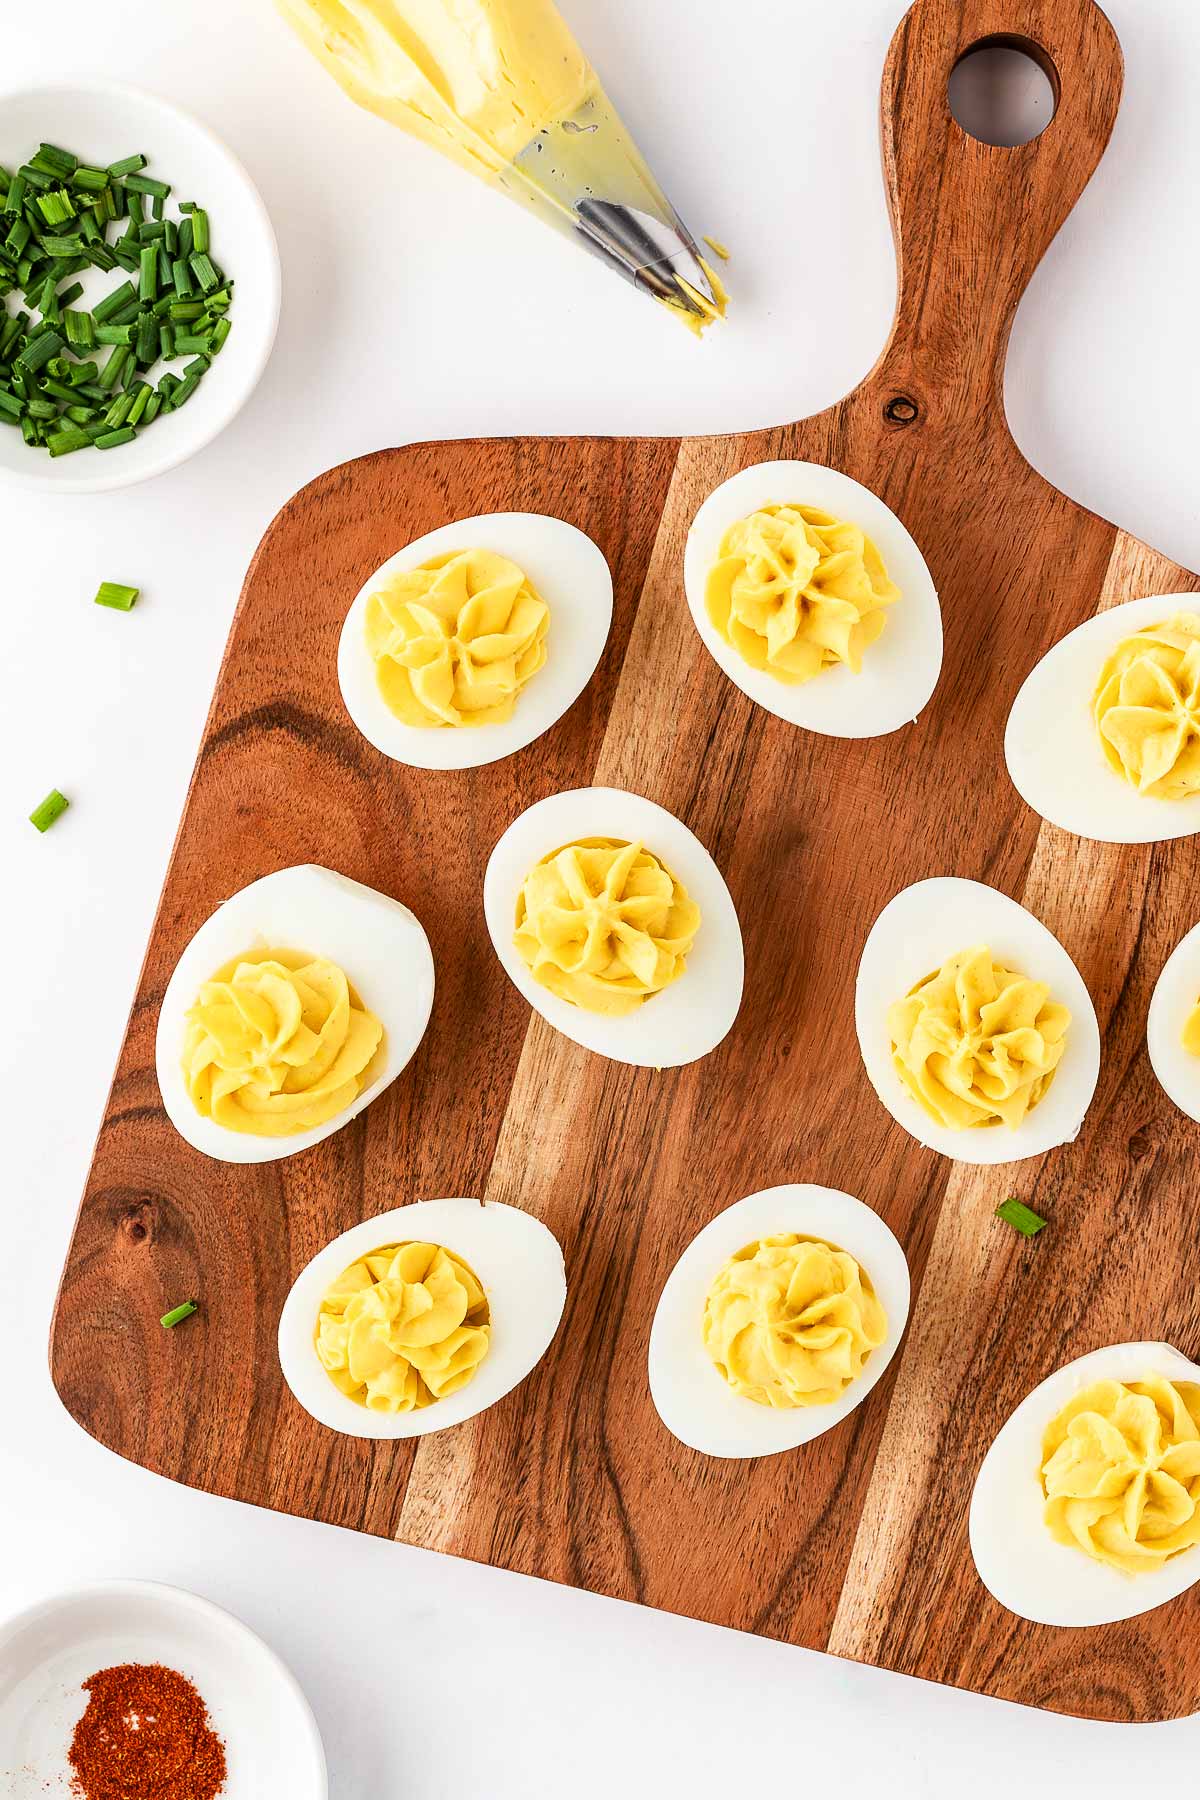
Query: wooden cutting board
(857,1543)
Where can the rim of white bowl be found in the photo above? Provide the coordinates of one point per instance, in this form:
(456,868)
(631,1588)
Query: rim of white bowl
(59,480)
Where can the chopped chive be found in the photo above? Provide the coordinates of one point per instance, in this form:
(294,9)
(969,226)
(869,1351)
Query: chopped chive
(146,184)
(80,328)
(61,443)
(59,162)
(187,343)
(51,808)
(113,302)
(166,342)
(147,339)
(39,350)
(153,407)
(204,269)
(116,365)
(11,403)
(148,279)
(178,1313)
(114,334)
(116,595)
(221,331)
(1023,1218)
(129,165)
(199,229)
(62,246)
(91,181)
(181,275)
(109,440)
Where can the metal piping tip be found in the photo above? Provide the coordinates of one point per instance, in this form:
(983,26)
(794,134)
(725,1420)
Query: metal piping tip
(586,174)
(657,254)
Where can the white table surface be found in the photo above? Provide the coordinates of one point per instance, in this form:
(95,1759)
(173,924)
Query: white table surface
(418,304)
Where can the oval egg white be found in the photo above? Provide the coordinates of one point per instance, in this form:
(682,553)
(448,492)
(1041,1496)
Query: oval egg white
(1053,749)
(899,671)
(379,944)
(571,575)
(1176,994)
(692,1397)
(1017,1559)
(691,1016)
(913,936)
(519,1264)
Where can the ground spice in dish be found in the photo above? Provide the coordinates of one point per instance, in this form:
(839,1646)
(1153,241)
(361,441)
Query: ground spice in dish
(145,1735)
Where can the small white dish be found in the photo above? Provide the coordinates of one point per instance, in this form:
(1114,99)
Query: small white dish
(691,1016)
(1176,994)
(912,937)
(899,671)
(379,944)
(693,1400)
(104,122)
(271,1740)
(519,1264)
(1053,749)
(1018,1560)
(570,574)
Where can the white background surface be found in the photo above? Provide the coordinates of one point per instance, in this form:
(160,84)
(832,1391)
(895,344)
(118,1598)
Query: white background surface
(417,304)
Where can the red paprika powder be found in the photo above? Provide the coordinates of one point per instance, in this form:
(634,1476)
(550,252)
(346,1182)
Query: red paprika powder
(145,1735)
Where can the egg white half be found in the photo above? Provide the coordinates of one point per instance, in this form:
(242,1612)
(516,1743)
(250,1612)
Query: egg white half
(379,944)
(913,936)
(693,1399)
(899,671)
(519,1263)
(1017,1559)
(686,1020)
(1053,749)
(1176,993)
(571,575)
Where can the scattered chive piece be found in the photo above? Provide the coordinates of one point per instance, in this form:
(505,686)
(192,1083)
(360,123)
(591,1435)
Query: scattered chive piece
(51,808)
(1021,1217)
(129,165)
(116,595)
(109,440)
(146,184)
(178,1313)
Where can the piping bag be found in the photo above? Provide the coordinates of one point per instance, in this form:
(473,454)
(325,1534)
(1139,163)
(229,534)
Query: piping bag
(503,89)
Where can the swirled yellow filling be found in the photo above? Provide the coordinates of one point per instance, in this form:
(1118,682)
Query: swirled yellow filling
(1121,1472)
(795,591)
(403,1327)
(1147,708)
(277,1042)
(976,1044)
(790,1321)
(604,924)
(455,640)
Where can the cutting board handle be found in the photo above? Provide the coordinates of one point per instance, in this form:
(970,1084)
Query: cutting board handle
(971,220)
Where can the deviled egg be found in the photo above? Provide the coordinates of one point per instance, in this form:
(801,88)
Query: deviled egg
(615,923)
(293,1007)
(475,639)
(1173,1025)
(1103,738)
(1086,1509)
(777,1321)
(975,1026)
(421,1318)
(813,598)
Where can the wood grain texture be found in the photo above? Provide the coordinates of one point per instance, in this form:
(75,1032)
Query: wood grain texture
(857,1542)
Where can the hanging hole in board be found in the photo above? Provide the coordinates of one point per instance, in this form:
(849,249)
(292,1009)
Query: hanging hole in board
(1004,91)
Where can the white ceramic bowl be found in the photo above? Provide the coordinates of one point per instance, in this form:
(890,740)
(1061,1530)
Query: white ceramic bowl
(105,122)
(271,1739)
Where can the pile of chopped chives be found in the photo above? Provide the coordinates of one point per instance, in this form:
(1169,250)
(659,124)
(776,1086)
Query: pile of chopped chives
(55,215)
